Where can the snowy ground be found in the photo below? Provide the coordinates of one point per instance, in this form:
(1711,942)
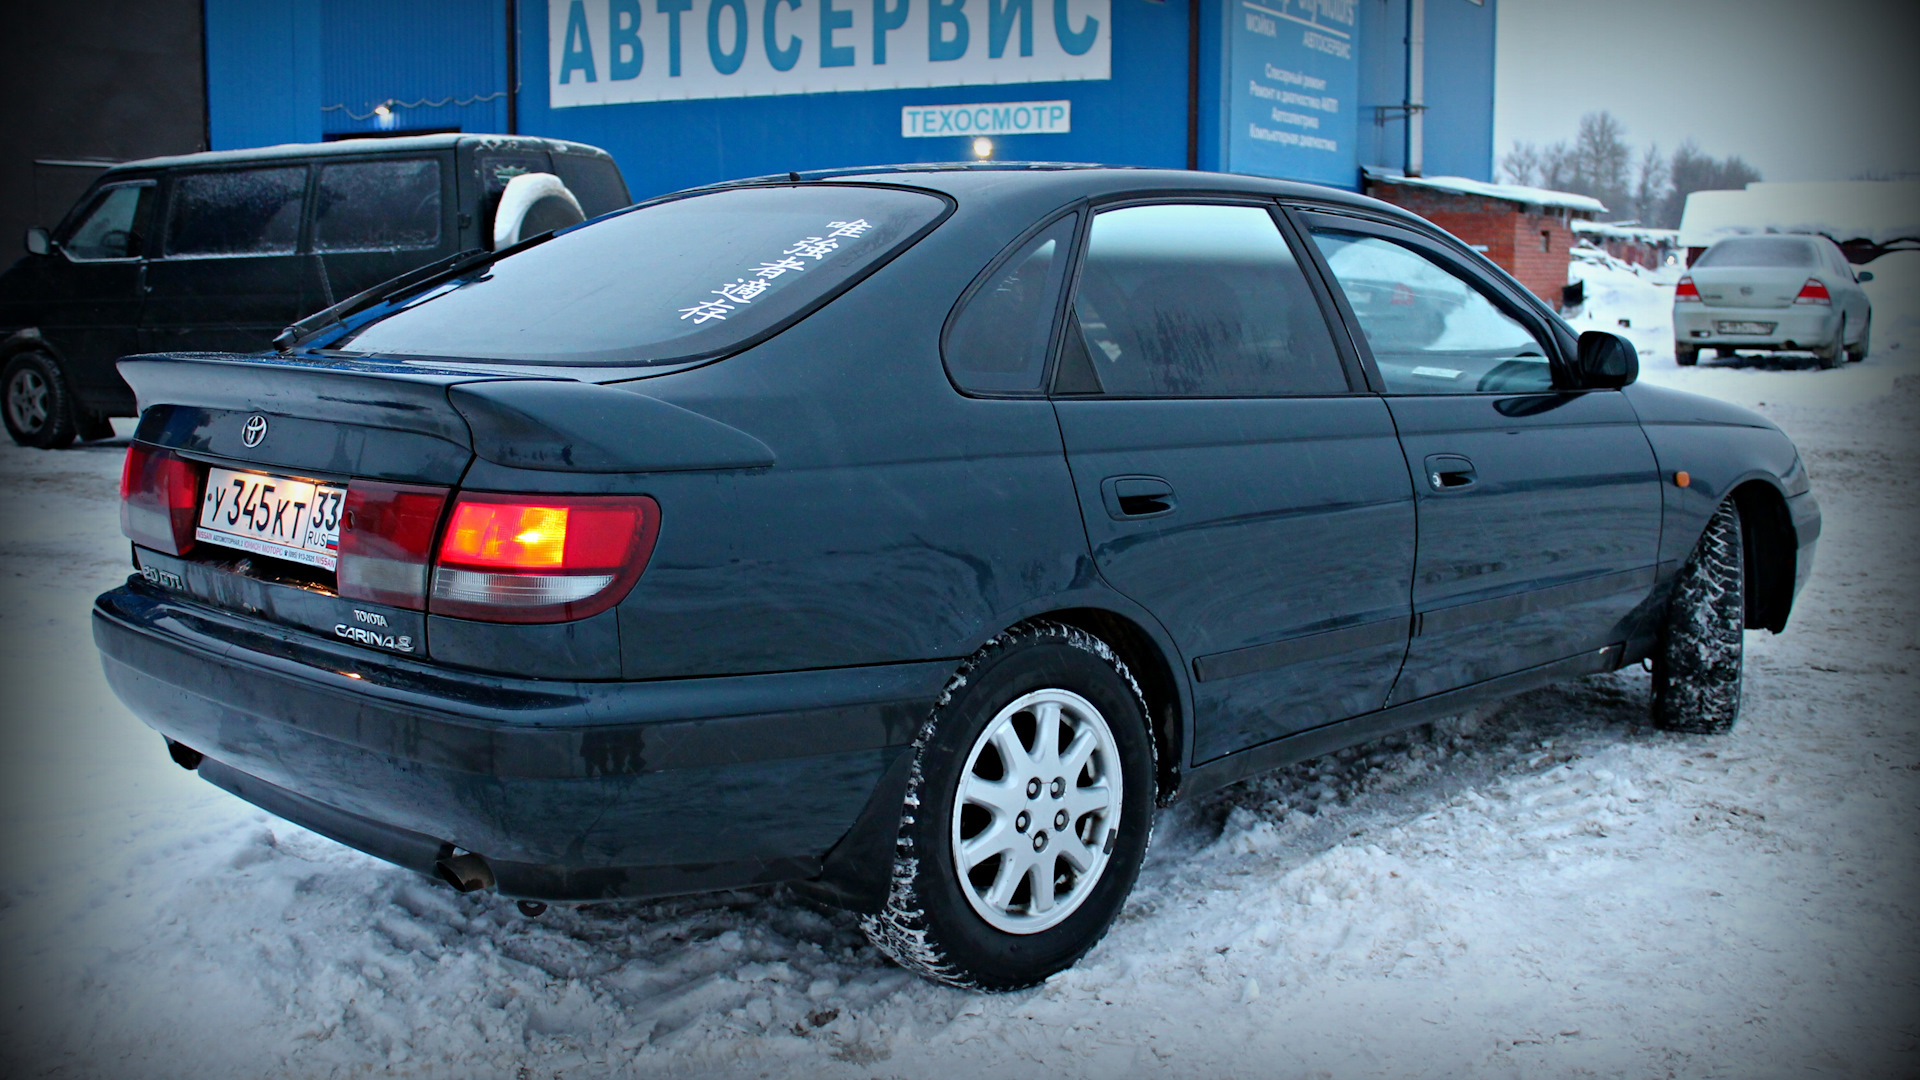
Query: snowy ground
(1547,889)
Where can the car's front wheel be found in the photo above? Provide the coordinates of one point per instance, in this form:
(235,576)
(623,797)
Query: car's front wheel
(36,403)
(1698,662)
(1028,812)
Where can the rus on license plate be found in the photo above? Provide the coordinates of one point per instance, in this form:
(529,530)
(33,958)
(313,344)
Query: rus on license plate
(272,515)
(1725,327)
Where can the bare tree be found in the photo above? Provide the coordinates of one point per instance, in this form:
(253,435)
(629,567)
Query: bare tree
(1693,169)
(1650,190)
(1522,166)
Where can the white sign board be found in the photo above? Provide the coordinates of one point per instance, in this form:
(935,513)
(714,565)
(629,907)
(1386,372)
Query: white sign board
(603,52)
(989,118)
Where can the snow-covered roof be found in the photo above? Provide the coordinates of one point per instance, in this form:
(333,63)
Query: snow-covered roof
(1519,193)
(1644,234)
(1879,211)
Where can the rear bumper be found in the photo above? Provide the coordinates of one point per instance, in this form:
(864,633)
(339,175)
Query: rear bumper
(1801,326)
(570,790)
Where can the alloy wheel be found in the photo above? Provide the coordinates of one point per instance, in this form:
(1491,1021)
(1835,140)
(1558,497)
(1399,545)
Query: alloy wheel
(27,400)
(1037,810)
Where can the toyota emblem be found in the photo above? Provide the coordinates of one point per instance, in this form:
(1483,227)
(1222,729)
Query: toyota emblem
(255,431)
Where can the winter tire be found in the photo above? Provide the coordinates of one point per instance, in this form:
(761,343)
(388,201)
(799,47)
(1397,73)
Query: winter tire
(1028,811)
(1686,355)
(35,402)
(1857,353)
(1697,663)
(1833,355)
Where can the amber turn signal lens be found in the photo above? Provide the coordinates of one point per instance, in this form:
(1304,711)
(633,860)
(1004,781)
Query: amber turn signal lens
(1681,479)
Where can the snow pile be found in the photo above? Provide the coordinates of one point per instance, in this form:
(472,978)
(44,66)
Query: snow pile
(1546,888)
(1873,210)
(1518,193)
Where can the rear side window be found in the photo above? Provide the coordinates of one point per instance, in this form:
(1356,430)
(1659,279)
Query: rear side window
(237,212)
(1762,251)
(998,343)
(690,278)
(1198,301)
(377,206)
(594,181)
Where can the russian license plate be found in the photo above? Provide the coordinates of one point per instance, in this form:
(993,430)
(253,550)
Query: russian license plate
(272,515)
(1726,327)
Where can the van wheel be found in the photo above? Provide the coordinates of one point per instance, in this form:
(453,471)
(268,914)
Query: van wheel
(1028,811)
(35,402)
(1697,664)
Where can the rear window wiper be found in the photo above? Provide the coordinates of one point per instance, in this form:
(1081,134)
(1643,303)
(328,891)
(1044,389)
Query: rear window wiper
(395,288)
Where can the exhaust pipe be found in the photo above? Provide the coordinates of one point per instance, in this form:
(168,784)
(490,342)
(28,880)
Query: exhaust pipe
(184,756)
(466,871)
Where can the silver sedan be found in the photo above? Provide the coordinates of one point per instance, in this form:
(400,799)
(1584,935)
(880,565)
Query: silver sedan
(1775,293)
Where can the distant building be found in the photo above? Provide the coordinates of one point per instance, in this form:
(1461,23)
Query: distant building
(1527,230)
(1637,244)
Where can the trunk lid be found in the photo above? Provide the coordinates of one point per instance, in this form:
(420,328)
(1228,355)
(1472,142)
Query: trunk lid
(1749,286)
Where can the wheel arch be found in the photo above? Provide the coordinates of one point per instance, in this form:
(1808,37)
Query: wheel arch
(1147,658)
(28,339)
(1770,548)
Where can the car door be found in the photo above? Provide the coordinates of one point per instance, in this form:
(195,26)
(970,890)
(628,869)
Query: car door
(1538,509)
(374,220)
(1232,479)
(90,289)
(229,274)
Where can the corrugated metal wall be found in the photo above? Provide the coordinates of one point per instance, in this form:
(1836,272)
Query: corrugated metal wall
(1459,86)
(301,70)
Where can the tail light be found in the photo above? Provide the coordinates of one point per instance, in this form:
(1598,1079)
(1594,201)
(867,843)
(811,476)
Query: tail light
(386,542)
(1685,291)
(1813,292)
(159,499)
(522,558)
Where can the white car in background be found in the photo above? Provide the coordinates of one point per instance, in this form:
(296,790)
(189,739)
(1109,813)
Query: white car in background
(1777,293)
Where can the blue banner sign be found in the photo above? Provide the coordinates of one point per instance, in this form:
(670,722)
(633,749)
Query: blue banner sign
(1292,77)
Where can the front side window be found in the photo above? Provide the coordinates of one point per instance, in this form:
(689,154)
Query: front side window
(377,206)
(998,343)
(1430,330)
(1196,301)
(115,225)
(236,212)
(689,278)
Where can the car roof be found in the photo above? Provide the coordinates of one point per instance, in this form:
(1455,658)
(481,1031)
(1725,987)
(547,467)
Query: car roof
(1069,181)
(401,144)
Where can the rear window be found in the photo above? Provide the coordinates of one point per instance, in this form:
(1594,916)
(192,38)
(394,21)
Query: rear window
(686,279)
(1759,251)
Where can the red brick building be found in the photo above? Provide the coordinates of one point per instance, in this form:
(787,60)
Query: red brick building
(1525,230)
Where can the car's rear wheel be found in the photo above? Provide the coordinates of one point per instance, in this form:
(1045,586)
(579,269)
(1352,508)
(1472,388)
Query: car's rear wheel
(1698,662)
(1027,815)
(1686,355)
(36,403)
(1833,354)
(1858,352)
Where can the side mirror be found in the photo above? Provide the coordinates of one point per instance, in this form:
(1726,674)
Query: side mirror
(1606,362)
(38,242)
(1863,276)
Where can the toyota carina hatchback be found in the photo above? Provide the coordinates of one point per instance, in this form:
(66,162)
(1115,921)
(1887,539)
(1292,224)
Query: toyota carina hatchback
(909,535)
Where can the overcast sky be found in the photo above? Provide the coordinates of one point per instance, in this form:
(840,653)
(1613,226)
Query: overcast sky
(1802,89)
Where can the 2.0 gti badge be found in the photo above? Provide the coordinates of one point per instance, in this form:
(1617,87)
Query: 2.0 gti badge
(254,431)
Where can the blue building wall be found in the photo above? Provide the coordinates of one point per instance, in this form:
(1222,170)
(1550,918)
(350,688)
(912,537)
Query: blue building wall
(301,70)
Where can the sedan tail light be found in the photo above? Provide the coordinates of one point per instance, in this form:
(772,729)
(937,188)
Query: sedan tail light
(159,498)
(1813,292)
(525,558)
(386,542)
(1685,290)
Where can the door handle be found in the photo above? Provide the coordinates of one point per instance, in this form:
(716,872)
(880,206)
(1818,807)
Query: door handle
(1137,496)
(1450,472)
